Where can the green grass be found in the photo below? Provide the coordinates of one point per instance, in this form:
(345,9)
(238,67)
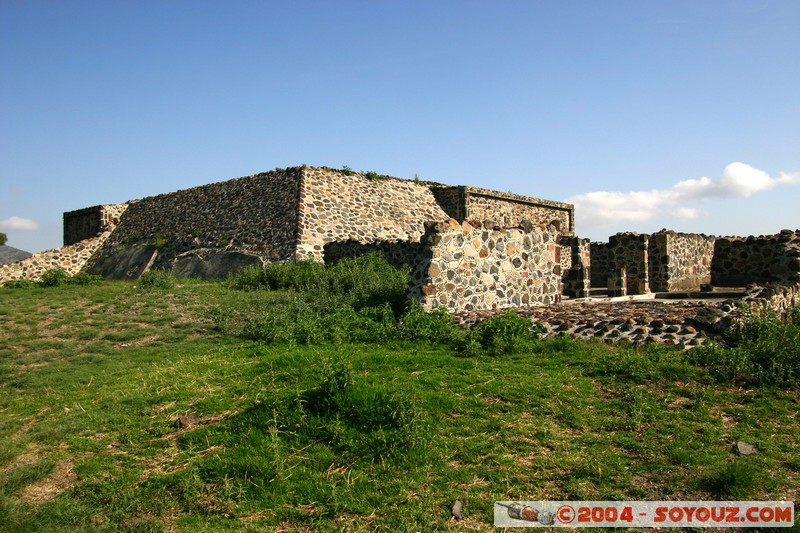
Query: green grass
(343,436)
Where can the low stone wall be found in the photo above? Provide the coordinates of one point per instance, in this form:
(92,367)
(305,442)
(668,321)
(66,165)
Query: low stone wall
(575,266)
(472,268)
(778,297)
(679,261)
(629,251)
(739,261)
(600,261)
(511,210)
(71,259)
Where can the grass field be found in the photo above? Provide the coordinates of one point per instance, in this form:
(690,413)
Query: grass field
(131,410)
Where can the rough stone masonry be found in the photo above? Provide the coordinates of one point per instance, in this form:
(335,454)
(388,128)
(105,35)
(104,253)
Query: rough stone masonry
(471,250)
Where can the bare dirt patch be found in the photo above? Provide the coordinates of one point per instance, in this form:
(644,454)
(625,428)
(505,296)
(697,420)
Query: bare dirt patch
(48,488)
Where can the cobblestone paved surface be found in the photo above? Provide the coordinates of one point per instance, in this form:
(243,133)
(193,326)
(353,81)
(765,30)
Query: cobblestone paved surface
(684,323)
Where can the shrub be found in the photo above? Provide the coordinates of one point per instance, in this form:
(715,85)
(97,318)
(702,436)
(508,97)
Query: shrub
(434,326)
(763,350)
(375,176)
(365,281)
(368,281)
(502,334)
(83,279)
(21,284)
(156,279)
(55,277)
(299,320)
(303,275)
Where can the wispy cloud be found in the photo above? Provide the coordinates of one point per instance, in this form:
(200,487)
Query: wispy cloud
(19,223)
(738,180)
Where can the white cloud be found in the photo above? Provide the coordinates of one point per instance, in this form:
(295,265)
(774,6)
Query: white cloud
(738,180)
(19,223)
(685,213)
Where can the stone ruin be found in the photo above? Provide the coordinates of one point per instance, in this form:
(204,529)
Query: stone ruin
(471,250)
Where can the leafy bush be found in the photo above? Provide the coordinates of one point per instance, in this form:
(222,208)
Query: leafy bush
(298,320)
(365,281)
(156,279)
(21,284)
(434,326)
(502,334)
(83,279)
(54,278)
(764,350)
(57,277)
(375,176)
(303,275)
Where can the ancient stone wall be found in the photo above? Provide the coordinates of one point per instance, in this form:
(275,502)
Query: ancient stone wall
(338,206)
(255,215)
(474,268)
(511,209)
(778,297)
(71,259)
(452,200)
(576,266)
(398,254)
(629,251)
(600,260)
(679,261)
(739,261)
(91,222)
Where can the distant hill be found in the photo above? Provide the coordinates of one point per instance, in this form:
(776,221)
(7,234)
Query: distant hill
(9,254)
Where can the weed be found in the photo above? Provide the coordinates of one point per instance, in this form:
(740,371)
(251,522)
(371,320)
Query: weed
(84,278)
(156,280)
(435,326)
(374,176)
(54,278)
(21,284)
(508,333)
(353,436)
(157,240)
(347,171)
(302,275)
(734,480)
(763,350)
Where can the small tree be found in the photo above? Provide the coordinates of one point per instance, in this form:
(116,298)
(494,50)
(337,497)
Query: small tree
(3,238)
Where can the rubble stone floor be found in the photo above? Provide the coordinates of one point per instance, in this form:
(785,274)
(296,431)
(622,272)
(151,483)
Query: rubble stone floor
(684,322)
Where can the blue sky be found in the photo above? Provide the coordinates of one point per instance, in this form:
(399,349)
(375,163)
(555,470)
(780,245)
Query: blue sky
(679,114)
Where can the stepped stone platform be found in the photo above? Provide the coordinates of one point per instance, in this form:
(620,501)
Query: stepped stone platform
(681,322)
